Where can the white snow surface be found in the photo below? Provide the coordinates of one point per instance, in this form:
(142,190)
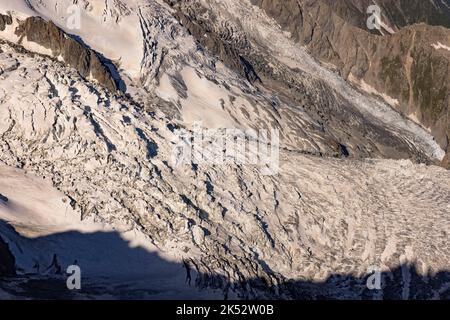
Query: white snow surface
(109,256)
(316,218)
(153,50)
(113,159)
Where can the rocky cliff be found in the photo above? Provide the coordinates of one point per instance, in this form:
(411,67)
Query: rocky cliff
(73,53)
(62,46)
(410,64)
(395,13)
(7,261)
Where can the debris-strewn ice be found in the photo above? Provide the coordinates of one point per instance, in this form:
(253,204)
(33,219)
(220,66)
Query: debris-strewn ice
(163,67)
(116,259)
(265,31)
(244,233)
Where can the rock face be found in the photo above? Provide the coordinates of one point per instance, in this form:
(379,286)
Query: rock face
(410,66)
(195,18)
(7,261)
(236,43)
(72,52)
(396,13)
(4,21)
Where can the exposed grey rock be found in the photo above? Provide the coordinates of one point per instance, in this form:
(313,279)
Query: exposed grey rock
(74,53)
(5,20)
(405,66)
(7,260)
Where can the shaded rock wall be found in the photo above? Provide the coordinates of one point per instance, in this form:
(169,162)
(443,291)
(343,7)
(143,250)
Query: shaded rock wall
(74,53)
(7,261)
(4,21)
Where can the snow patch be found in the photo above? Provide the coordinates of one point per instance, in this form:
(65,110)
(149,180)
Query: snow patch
(117,36)
(387,28)
(204,101)
(439,45)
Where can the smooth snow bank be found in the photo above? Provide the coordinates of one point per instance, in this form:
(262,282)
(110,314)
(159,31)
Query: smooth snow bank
(37,211)
(35,207)
(17,6)
(204,102)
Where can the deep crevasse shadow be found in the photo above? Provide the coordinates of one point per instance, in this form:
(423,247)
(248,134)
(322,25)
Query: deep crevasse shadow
(111,269)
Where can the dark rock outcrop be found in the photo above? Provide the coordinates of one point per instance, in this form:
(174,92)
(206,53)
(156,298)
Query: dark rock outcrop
(3,198)
(74,53)
(405,65)
(4,21)
(7,260)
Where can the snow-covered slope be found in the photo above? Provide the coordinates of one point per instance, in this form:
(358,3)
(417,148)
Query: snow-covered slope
(162,63)
(38,222)
(244,232)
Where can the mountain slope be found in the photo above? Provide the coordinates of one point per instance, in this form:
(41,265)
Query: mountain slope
(396,13)
(318,217)
(357,187)
(300,98)
(411,66)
